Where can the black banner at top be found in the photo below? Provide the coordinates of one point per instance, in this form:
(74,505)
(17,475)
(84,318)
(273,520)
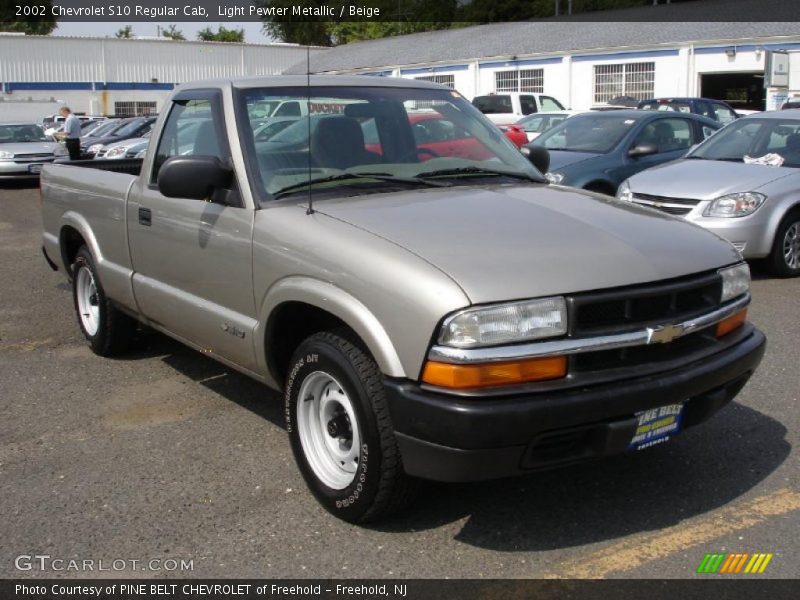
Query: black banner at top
(427,11)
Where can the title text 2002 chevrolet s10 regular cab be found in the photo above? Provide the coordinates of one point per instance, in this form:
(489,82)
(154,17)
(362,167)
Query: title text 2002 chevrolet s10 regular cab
(430,306)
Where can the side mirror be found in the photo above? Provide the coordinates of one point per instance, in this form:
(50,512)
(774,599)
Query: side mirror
(193,177)
(539,157)
(643,150)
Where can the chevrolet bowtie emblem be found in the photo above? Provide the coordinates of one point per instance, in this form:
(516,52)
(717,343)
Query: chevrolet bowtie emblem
(663,334)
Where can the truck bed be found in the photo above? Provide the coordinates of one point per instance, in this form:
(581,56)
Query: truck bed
(131,166)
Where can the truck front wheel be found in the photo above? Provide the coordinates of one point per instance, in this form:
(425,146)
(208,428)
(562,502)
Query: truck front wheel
(107,330)
(340,430)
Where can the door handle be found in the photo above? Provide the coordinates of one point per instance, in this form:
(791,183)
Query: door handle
(145,217)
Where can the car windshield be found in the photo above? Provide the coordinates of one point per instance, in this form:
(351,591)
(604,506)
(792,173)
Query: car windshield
(755,138)
(597,133)
(129,127)
(26,132)
(399,136)
(674,105)
(103,128)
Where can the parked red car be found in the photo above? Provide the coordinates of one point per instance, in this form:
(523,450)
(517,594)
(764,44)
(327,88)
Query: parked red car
(437,136)
(516,134)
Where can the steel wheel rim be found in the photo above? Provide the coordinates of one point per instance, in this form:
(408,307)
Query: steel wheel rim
(88,307)
(791,246)
(328,430)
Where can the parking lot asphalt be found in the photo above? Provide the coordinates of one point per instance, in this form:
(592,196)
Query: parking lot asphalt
(164,453)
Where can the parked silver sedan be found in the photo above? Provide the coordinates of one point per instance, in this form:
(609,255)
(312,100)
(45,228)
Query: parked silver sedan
(23,149)
(742,183)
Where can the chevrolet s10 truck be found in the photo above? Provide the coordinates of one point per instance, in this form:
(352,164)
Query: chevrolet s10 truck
(429,305)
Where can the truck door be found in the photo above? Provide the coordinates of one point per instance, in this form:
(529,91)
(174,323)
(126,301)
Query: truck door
(192,259)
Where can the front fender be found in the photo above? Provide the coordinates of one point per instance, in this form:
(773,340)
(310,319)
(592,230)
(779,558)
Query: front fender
(339,303)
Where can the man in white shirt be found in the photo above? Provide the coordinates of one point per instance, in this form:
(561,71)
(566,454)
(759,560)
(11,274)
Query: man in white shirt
(72,133)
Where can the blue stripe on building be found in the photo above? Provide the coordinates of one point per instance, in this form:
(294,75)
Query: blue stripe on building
(625,55)
(12,86)
(522,63)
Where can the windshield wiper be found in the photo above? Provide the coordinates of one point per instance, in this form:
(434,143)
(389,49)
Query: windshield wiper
(346,176)
(479,171)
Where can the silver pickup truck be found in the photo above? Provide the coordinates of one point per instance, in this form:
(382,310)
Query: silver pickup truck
(429,305)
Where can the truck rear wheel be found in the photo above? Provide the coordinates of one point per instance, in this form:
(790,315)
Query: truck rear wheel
(785,258)
(340,430)
(107,330)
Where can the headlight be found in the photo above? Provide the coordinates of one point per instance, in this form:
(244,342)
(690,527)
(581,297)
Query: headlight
(95,148)
(6,154)
(506,323)
(735,281)
(624,192)
(735,205)
(554,177)
(60,151)
(116,152)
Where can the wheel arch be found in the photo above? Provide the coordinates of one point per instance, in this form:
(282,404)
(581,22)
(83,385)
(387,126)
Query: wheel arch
(296,307)
(74,233)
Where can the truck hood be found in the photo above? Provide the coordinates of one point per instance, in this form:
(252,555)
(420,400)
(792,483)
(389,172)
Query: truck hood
(705,179)
(30,147)
(507,242)
(560,158)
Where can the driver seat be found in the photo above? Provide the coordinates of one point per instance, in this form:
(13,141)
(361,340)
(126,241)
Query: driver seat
(338,143)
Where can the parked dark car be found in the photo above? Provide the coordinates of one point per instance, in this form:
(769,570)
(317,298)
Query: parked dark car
(793,103)
(716,110)
(134,127)
(599,150)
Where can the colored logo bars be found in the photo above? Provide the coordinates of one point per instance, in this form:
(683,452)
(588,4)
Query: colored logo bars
(734,563)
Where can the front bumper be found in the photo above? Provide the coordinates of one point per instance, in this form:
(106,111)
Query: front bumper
(751,235)
(10,169)
(447,437)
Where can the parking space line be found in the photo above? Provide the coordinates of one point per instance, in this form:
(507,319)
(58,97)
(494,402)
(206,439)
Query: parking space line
(633,553)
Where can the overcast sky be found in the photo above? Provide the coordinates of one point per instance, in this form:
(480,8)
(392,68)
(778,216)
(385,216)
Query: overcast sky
(252,30)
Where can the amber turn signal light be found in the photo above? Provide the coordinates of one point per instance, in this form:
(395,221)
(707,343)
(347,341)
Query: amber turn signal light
(731,323)
(493,374)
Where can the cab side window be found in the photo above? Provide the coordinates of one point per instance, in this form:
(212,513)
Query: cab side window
(190,130)
(667,135)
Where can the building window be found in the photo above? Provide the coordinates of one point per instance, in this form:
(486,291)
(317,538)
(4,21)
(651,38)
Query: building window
(523,80)
(448,80)
(628,79)
(134,109)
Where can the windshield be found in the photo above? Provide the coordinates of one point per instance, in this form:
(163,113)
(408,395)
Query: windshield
(15,134)
(598,133)
(755,138)
(103,128)
(130,127)
(401,136)
(674,105)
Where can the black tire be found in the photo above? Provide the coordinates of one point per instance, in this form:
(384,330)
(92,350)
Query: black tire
(115,329)
(776,261)
(379,486)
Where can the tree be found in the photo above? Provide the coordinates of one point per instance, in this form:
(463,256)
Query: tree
(222,35)
(172,33)
(125,32)
(31,25)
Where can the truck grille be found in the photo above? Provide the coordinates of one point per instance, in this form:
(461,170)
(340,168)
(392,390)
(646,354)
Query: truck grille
(637,307)
(634,307)
(673,206)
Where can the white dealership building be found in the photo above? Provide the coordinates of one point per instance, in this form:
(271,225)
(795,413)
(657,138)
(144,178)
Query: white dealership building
(584,64)
(122,77)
